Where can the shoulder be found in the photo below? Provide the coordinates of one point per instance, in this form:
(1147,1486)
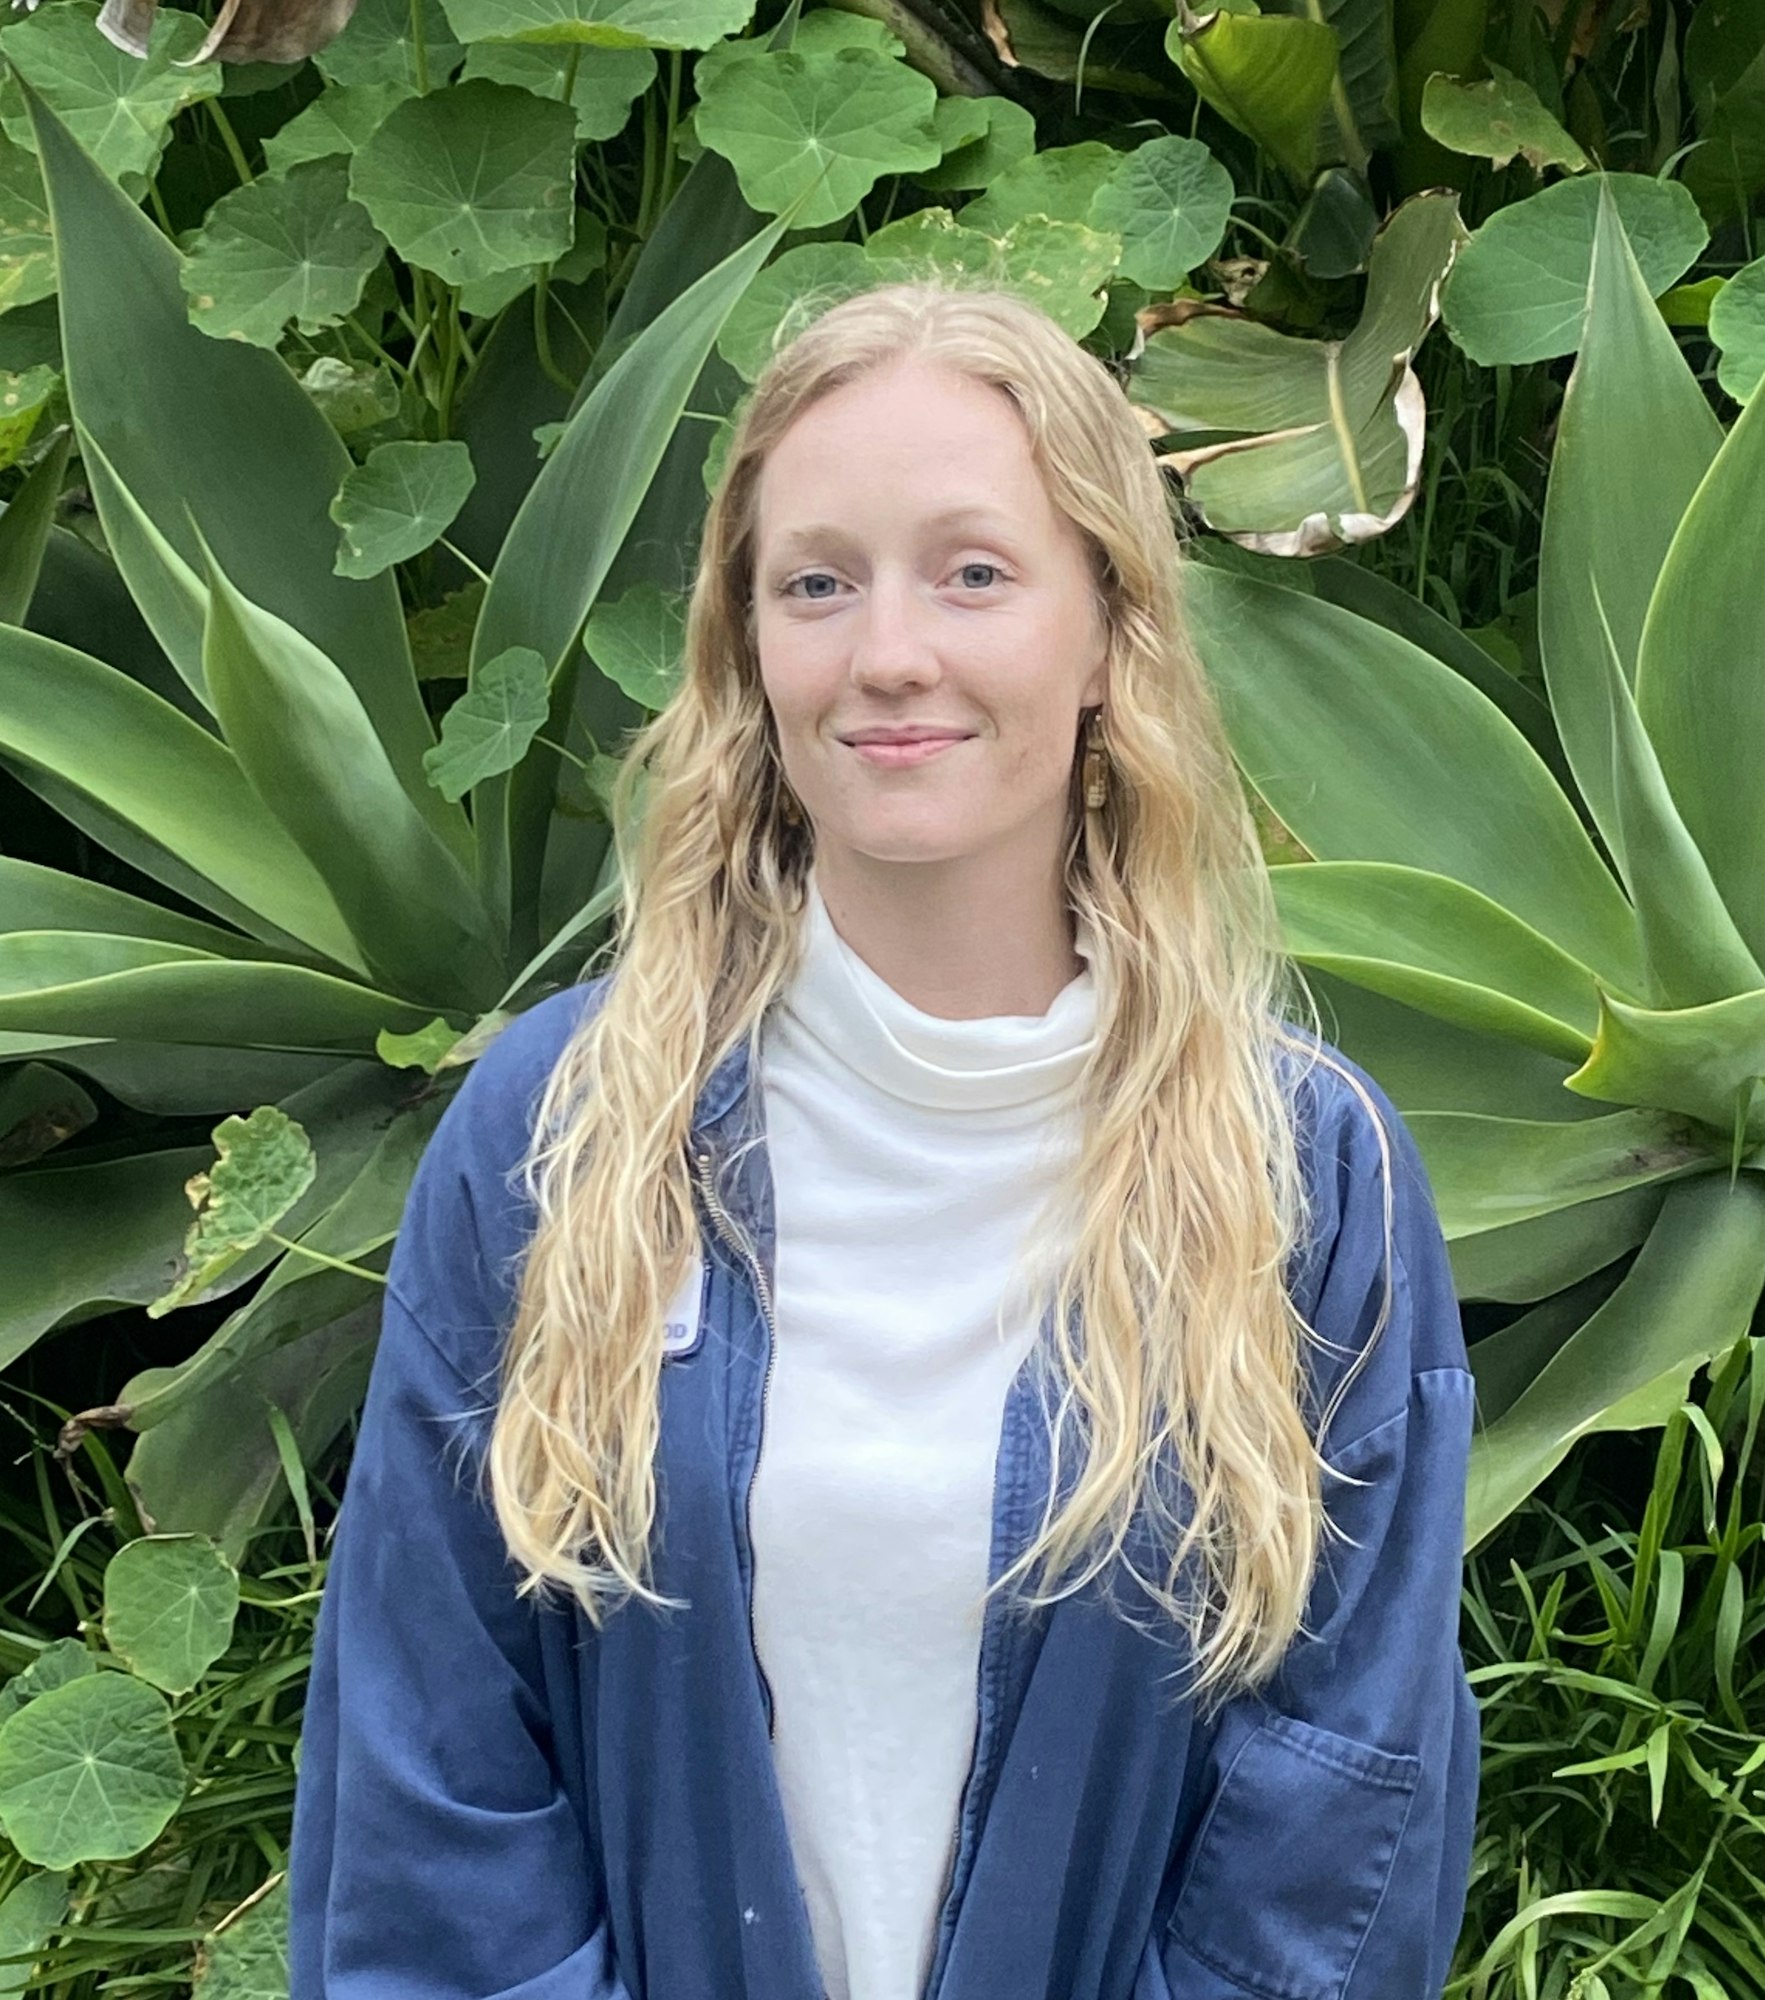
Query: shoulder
(467,1217)
(1372,1276)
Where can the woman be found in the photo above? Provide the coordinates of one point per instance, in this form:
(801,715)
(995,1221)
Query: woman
(918,1442)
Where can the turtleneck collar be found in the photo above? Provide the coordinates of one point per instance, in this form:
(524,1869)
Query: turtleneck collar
(1006,1059)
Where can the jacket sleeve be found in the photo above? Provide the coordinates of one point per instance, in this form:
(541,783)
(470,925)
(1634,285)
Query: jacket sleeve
(1335,1806)
(435,1853)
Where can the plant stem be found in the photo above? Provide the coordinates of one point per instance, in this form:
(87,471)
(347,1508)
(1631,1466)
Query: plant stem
(230,139)
(419,49)
(319,1257)
(460,556)
(562,752)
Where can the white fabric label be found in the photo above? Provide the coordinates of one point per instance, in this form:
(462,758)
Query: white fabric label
(683,1321)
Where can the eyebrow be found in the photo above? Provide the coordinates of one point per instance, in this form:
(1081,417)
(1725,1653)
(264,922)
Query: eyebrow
(822,533)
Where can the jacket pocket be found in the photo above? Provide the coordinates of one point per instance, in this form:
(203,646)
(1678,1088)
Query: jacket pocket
(1289,1864)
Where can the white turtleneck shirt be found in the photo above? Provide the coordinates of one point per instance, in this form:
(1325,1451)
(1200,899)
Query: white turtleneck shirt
(909,1157)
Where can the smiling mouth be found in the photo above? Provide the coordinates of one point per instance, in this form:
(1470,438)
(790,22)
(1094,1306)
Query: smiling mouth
(899,755)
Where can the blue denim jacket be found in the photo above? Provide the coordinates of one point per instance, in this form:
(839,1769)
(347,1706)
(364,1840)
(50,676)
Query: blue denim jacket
(495,1799)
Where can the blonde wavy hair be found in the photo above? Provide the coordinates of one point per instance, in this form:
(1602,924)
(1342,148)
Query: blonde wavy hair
(1176,1347)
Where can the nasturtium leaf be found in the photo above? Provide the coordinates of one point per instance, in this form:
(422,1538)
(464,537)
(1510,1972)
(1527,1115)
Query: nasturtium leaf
(1060,183)
(336,121)
(169,1606)
(1268,74)
(792,290)
(1737,326)
(818,34)
(1008,136)
(1169,201)
(483,297)
(246,1956)
(376,47)
(441,634)
(22,400)
(61,1661)
(637,641)
(1519,287)
(282,247)
(607,24)
(30,1913)
(488,730)
(1496,119)
(89,1772)
(27,248)
(782,120)
(116,105)
(265,1165)
(399,503)
(1060,266)
(354,395)
(470,180)
(604,83)
(423,1049)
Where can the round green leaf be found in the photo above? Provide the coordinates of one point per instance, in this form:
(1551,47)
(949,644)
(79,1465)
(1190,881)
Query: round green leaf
(399,503)
(1007,136)
(794,289)
(27,249)
(1495,120)
(1737,326)
(1059,266)
(637,643)
(488,730)
(602,92)
(782,119)
(376,47)
(116,105)
(470,180)
(605,24)
(246,1958)
(264,1165)
(1519,287)
(1169,202)
(61,1661)
(354,395)
(89,1772)
(336,121)
(169,1606)
(27,1917)
(280,248)
(1061,183)
(22,398)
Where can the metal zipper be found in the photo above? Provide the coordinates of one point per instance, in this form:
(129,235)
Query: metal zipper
(726,1228)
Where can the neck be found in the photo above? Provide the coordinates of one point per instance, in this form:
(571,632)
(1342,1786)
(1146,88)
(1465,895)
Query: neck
(964,940)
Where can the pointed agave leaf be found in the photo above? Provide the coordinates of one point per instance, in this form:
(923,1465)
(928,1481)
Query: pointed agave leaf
(1489,1172)
(36,898)
(151,766)
(24,529)
(1360,743)
(570,527)
(1689,1296)
(169,1606)
(1699,1060)
(1698,684)
(89,1772)
(1439,946)
(309,748)
(1526,1261)
(219,431)
(1270,75)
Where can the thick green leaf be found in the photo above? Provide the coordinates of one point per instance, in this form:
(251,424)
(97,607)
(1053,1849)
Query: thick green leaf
(1439,946)
(89,1772)
(1689,1296)
(169,1606)
(1497,119)
(1168,201)
(156,770)
(218,432)
(118,106)
(1062,183)
(601,24)
(1737,326)
(1519,289)
(1271,75)
(1361,743)
(1698,684)
(1361,114)
(280,248)
(24,529)
(36,898)
(1530,1260)
(377,47)
(603,85)
(309,749)
(335,122)
(399,503)
(1325,437)
(1700,1060)
(470,180)
(1631,400)
(27,245)
(569,528)
(817,130)
(1489,1172)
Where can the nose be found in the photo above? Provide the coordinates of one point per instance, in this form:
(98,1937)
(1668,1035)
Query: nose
(894,647)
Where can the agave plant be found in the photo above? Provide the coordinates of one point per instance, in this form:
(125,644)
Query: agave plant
(1547,943)
(376,903)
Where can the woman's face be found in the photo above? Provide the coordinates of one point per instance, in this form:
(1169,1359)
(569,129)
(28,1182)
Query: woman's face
(912,575)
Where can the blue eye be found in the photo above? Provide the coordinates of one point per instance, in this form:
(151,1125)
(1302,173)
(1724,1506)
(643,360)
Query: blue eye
(994,567)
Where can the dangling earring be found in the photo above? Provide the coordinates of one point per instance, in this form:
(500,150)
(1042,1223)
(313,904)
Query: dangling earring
(1096,772)
(789,810)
